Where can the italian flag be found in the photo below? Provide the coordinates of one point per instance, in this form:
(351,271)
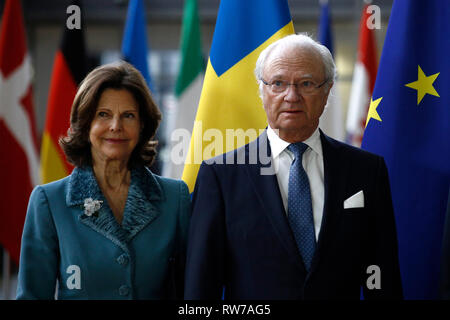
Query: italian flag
(190,78)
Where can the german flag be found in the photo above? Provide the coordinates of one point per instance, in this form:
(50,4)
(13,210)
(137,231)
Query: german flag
(69,69)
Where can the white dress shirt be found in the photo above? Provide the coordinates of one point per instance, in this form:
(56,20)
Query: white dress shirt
(312,162)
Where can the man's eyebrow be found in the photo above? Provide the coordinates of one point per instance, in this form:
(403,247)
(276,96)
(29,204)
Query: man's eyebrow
(276,77)
(281,77)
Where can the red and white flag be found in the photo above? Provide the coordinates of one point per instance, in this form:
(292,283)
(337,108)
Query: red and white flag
(364,76)
(19,159)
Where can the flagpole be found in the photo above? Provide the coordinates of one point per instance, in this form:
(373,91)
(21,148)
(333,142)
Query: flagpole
(6,275)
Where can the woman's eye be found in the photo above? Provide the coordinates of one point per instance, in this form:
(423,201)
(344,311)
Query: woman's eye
(129,115)
(102,114)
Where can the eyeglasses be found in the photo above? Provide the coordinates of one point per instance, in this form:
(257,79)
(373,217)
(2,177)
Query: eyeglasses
(305,87)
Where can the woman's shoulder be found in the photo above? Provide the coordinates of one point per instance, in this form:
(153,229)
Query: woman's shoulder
(169,185)
(170,181)
(54,186)
(172,185)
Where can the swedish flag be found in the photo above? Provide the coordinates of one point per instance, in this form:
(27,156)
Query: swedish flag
(230,98)
(409,124)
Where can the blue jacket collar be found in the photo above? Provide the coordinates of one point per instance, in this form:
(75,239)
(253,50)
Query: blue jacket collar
(140,208)
(83,185)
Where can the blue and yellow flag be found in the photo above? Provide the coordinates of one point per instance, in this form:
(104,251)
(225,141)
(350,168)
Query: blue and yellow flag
(408,124)
(230,98)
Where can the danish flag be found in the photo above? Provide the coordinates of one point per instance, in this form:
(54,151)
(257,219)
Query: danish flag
(19,158)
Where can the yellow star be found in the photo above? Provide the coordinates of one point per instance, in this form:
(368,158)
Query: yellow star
(424,85)
(373,110)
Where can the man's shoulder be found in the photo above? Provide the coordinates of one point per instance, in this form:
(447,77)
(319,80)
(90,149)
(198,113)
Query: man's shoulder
(346,149)
(350,157)
(247,154)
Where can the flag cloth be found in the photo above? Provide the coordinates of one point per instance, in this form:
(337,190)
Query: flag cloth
(331,121)
(364,76)
(190,80)
(230,97)
(19,162)
(134,43)
(135,51)
(408,124)
(69,69)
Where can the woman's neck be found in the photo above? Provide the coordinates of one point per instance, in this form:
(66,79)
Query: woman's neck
(112,175)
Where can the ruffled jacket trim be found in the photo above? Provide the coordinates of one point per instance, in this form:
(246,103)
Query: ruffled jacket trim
(140,206)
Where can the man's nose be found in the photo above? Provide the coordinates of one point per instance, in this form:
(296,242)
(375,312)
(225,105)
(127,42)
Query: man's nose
(292,93)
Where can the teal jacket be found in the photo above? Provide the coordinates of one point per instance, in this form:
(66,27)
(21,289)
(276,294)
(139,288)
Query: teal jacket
(68,254)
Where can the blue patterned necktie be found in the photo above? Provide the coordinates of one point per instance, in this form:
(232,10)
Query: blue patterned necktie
(300,213)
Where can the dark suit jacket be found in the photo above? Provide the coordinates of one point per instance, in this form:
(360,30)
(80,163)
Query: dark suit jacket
(240,237)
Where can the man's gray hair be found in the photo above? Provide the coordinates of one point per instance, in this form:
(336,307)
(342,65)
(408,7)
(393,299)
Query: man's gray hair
(298,41)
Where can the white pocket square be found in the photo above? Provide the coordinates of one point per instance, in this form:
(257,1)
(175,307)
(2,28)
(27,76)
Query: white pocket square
(355,201)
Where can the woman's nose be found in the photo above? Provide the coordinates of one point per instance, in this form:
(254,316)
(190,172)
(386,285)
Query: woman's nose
(116,124)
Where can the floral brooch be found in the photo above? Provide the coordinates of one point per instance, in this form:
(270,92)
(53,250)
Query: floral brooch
(92,206)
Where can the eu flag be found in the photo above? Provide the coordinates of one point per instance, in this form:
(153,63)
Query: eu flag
(408,124)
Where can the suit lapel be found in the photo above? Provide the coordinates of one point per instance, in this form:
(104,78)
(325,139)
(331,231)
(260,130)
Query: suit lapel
(265,185)
(333,183)
(140,208)
(83,185)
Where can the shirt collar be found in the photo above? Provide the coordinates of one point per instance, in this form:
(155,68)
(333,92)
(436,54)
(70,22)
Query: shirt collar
(278,145)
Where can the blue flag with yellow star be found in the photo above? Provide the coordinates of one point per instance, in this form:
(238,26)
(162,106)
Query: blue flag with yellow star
(408,124)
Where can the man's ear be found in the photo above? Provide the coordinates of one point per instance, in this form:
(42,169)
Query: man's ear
(328,91)
(329,88)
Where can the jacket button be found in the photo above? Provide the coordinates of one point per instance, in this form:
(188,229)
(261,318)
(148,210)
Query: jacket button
(123,259)
(124,290)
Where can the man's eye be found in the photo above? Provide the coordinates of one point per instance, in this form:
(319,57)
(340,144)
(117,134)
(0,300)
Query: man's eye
(278,83)
(307,84)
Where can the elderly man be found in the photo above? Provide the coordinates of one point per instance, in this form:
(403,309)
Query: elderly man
(321,226)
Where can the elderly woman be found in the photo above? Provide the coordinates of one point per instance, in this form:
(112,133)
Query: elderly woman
(112,229)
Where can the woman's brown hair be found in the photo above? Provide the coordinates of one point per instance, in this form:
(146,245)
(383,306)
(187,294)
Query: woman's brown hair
(121,75)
